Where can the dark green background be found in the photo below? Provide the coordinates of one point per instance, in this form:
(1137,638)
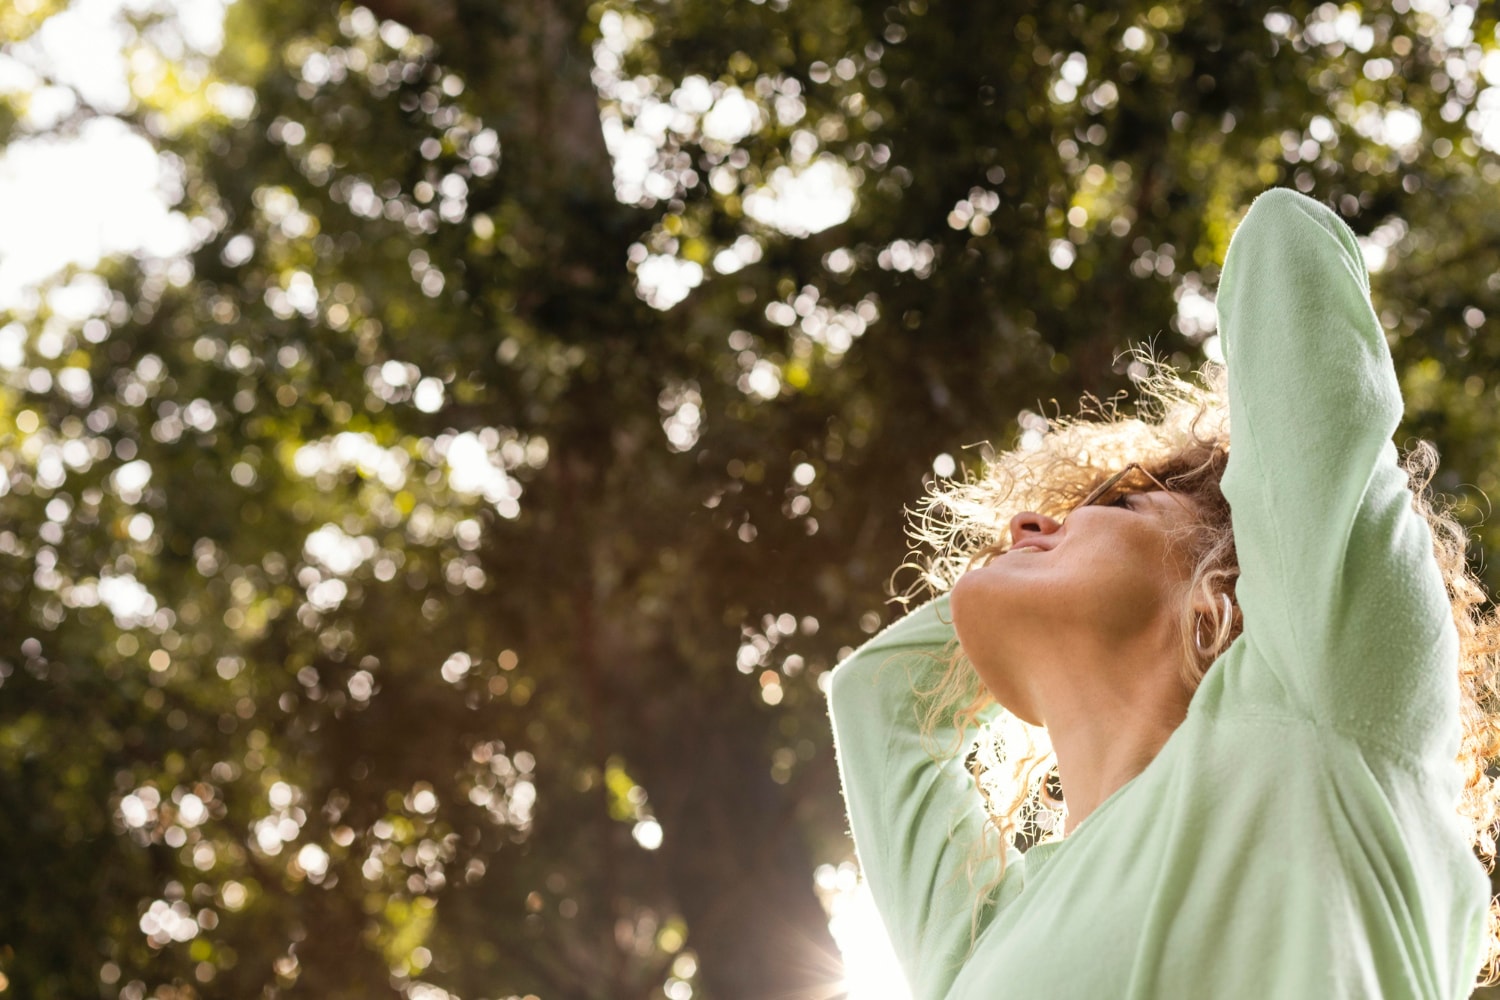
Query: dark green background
(630,617)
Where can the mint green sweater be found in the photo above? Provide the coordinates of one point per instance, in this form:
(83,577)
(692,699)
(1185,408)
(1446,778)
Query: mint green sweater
(1296,836)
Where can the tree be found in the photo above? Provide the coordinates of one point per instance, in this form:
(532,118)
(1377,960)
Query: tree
(409,595)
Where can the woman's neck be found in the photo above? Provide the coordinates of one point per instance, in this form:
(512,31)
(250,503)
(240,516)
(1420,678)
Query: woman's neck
(1105,734)
(1093,765)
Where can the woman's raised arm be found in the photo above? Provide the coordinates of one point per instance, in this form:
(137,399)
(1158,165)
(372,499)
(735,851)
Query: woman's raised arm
(1338,583)
(916,823)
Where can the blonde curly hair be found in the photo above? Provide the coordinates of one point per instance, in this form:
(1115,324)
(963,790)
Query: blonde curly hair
(1179,434)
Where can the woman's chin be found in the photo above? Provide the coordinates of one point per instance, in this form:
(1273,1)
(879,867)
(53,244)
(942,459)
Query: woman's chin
(981,593)
(974,603)
(982,604)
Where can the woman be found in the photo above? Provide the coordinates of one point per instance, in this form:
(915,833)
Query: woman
(1260,671)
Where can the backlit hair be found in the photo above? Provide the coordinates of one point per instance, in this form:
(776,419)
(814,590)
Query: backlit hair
(1180,434)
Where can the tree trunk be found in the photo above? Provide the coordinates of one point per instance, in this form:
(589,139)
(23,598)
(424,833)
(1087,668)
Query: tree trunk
(734,859)
(738,864)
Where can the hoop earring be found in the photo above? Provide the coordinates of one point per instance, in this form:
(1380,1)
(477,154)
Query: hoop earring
(1223,626)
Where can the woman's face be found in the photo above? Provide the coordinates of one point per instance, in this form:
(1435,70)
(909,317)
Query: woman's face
(1067,600)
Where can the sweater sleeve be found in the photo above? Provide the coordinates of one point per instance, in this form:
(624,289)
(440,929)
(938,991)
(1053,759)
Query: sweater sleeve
(916,823)
(1339,586)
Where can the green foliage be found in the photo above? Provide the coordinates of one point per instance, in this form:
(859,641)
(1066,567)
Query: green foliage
(380,582)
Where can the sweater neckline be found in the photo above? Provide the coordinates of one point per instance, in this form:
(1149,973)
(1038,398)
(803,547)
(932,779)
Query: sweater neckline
(1038,855)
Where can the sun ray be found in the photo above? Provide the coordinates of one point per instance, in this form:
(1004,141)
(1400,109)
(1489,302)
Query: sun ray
(870,969)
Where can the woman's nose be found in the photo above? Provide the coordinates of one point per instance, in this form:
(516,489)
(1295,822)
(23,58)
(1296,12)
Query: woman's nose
(1029,523)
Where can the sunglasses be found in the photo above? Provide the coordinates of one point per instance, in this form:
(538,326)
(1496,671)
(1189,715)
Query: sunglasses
(1102,490)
